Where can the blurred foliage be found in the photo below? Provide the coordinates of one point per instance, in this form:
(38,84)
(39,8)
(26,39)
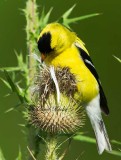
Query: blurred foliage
(81,137)
(16,86)
(1,155)
(19,155)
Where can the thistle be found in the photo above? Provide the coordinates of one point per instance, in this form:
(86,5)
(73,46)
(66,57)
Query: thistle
(49,114)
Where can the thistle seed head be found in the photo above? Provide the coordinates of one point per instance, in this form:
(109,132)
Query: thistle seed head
(49,115)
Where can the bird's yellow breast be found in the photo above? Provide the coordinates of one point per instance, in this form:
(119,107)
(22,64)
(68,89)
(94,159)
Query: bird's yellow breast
(86,83)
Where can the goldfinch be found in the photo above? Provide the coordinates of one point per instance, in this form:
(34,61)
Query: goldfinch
(61,47)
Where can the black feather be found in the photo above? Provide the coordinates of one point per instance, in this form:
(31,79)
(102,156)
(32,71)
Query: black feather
(89,64)
(44,43)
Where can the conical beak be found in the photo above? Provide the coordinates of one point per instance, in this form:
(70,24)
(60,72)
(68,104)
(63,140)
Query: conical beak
(43,56)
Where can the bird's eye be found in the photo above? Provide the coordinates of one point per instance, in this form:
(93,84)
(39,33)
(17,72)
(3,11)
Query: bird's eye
(44,43)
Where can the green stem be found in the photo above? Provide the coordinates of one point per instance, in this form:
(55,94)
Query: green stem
(51,144)
(31,30)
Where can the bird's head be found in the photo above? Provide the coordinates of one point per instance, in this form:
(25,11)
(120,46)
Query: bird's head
(54,39)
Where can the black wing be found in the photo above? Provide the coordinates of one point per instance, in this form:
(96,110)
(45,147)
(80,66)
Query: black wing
(89,64)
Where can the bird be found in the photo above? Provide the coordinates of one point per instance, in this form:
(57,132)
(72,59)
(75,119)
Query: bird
(60,46)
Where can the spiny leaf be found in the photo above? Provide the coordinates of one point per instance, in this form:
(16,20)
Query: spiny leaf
(64,18)
(68,12)
(19,58)
(10,69)
(12,108)
(42,14)
(9,110)
(118,59)
(116,153)
(73,20)
(87,139)
(6,83)
(7,95)
(14,87)
(45,18)
(116,142)
(67,21)
(23,66)
(19,155)
(31,154)
(22,125)
(83,138)
(11,83)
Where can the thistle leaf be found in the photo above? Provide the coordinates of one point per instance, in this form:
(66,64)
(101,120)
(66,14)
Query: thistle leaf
(10,69)
(116,153)
(21,64)
(73,20)
(67,21)
(14,87)
(45,18)
(118,59)
(13,108)
(19,155)
(9,110)
(6,83)
(116,142)
(1,155)
(87,139)
(83,138)
(68,12)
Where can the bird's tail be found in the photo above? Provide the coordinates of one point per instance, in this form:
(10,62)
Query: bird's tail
(94,114)
(101,136)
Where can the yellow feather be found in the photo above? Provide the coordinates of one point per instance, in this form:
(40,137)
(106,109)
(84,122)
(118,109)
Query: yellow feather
(66,54)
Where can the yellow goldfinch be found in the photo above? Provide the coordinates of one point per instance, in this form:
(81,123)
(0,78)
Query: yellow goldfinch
(61,47)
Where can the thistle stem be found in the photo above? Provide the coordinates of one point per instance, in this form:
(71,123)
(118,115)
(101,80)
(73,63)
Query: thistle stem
(31,29)
(51,148)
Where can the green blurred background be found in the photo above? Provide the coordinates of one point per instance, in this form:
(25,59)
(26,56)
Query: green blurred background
(102,36)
